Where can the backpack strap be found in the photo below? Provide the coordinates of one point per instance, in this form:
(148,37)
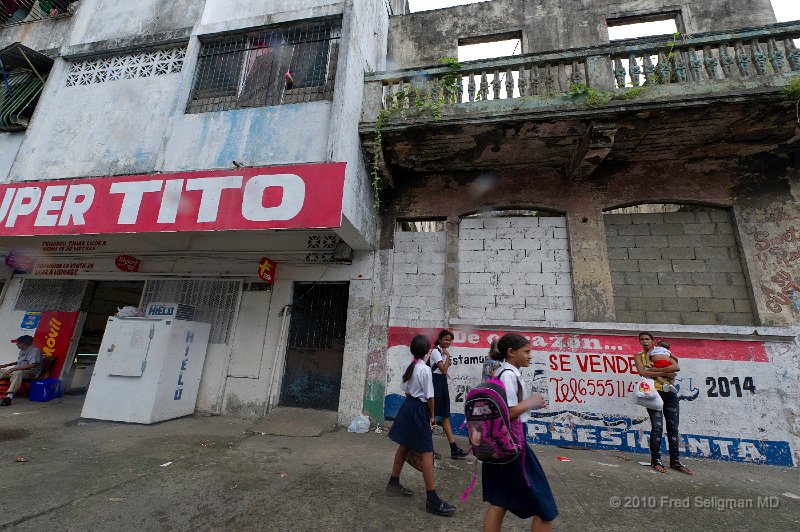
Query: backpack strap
(519,384)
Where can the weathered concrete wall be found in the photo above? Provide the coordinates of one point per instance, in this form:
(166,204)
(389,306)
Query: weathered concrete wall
(103,20)
(678,267)
(253,382)
(514,268)
(44,35)
(418,280)
(423,38)
(363,49)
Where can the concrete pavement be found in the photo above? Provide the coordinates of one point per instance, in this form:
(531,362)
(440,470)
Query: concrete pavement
(83,474)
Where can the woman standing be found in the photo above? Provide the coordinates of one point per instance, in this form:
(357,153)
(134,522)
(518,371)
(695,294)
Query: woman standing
(670,413)
(440,361)
(413,429)
(519,487)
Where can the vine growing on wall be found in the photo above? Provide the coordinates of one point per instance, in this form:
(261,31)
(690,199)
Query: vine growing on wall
(430,97)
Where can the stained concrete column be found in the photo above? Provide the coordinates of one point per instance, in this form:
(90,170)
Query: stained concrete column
(451,270)
(591,276)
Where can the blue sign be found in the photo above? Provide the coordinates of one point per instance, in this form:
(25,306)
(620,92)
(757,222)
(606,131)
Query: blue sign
(30,321)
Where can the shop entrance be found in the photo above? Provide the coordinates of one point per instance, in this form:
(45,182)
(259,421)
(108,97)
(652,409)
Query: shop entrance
(103,300)
(315,347)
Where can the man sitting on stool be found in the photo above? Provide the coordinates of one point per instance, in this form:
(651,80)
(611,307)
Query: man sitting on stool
(27,366)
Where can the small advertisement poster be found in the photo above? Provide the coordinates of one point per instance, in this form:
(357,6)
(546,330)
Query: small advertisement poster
(54,335)
(266,270)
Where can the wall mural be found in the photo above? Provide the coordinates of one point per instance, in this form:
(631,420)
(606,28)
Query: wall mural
(731,400)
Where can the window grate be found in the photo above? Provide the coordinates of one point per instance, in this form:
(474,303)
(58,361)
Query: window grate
(279,65)
(55,295)
(214,301)
(21,11)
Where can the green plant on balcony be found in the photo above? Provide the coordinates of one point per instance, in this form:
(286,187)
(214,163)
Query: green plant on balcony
(444,90)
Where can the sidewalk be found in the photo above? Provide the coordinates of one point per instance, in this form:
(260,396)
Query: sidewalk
(82,474)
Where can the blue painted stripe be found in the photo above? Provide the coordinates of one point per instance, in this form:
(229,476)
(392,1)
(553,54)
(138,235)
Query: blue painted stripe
(767,452)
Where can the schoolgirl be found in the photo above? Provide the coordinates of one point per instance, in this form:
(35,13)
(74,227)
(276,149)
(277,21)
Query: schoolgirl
(441,361)
(413,429)
(519,487)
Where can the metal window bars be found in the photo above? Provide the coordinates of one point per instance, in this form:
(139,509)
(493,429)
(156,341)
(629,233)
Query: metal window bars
(273,66)
(21,11)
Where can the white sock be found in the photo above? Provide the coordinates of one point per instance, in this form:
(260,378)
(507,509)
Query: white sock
(10,395)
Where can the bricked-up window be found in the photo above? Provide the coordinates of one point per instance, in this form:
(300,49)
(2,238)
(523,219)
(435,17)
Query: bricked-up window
(273,66)
(676,264)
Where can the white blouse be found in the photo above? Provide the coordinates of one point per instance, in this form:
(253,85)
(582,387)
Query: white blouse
(420,385)
(510,379)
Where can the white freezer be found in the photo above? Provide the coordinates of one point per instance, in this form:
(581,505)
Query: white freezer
(148,370)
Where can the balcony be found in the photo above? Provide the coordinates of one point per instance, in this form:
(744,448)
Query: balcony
(651,100)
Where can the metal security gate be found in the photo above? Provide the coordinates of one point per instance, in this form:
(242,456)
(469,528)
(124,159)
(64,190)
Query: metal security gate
(315,347)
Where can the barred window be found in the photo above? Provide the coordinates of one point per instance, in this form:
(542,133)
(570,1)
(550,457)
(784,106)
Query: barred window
(273,66)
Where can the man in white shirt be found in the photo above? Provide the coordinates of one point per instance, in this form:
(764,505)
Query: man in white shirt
(27,366)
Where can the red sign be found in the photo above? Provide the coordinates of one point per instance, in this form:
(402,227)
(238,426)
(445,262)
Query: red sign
(127,263)
(54,335)
(20,262)
(266,270)
(592,351)
(274,197)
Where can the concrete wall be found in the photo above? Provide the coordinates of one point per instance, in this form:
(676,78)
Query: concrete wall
(514,268)
(679,267)
(111,20)
(423,38)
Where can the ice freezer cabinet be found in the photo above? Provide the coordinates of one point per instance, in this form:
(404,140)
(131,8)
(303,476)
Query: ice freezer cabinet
(148,370)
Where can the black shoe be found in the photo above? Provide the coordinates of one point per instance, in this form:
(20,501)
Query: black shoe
(443,509)
(397,490)
(436,456)
(6,401)
(458,454)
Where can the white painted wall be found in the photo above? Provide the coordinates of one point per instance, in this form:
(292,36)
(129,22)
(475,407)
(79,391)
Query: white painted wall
(514,269)
(418,279)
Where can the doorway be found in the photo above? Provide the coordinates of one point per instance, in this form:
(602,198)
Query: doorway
(103,301)
(315,346)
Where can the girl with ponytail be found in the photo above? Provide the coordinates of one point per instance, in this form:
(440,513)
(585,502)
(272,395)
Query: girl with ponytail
(413,428)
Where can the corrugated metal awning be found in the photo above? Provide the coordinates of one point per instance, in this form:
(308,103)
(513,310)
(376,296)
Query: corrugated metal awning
(23,72)
(19,93)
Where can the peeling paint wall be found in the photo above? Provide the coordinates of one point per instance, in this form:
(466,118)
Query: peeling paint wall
(738,399)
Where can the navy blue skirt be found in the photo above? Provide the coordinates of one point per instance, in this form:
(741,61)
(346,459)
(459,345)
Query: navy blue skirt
(505,486)
(441,396)
(412,427)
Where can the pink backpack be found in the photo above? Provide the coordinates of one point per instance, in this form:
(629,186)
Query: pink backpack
(494,437)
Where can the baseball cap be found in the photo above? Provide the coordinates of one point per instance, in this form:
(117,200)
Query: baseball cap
(24,339)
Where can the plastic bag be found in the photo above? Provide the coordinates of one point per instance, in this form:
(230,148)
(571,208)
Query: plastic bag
(653,403)
(129,312)
(646,388)
(359,425)
(647,395)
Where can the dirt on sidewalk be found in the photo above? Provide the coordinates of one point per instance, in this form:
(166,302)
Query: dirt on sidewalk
(214,474)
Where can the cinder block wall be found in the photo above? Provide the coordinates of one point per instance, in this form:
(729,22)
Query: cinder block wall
(418,279)
(515,269)
(681,267)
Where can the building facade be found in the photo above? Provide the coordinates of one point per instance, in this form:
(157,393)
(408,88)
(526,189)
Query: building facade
(587,189)
(161,150)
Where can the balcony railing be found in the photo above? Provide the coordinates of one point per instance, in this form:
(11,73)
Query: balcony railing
(671,60)
(21,11)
